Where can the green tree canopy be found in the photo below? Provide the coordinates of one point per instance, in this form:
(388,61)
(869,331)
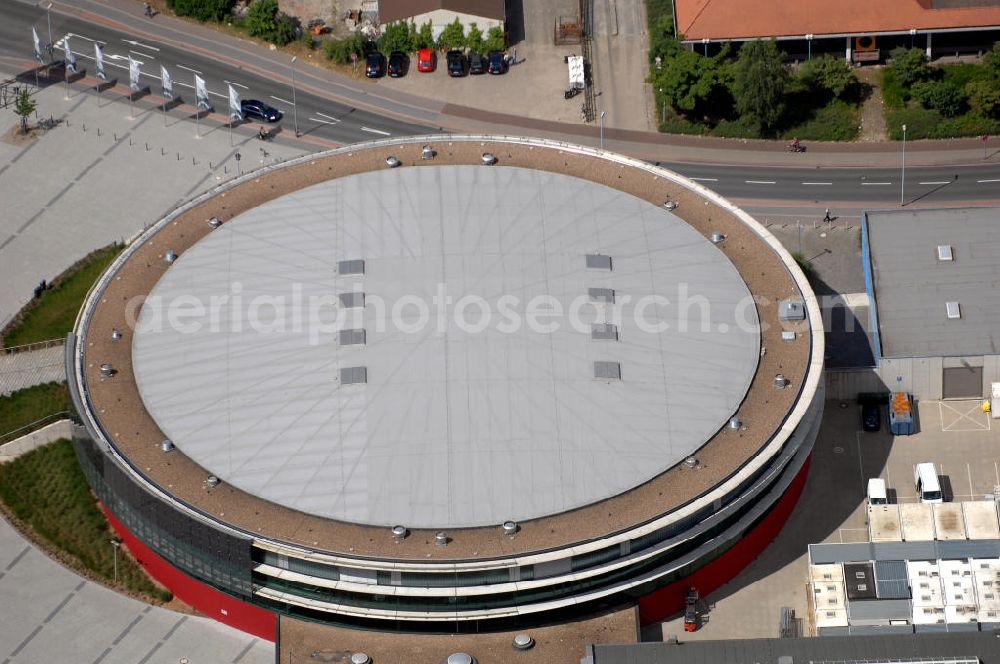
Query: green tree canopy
(834,75)
(909,66)
(690,82)
(265,21)
(203,10)
(943,97)
(396,37)
(496,40)
(984,97)
(760,78)
(453,35)
(474,40)
(24,107)
(425,36)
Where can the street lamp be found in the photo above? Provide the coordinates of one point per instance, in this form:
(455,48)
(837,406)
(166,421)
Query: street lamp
(48,19)
(602,129)
(116,543)
(295,108)
(902,179)
(809,40)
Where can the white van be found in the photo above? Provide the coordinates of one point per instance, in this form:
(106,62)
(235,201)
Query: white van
(928,487)
(876,492)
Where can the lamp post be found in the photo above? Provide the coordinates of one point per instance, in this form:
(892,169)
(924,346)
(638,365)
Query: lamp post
(116,543)
(809,41)
(602,129)
(902,179)
(48,20)
(295,108)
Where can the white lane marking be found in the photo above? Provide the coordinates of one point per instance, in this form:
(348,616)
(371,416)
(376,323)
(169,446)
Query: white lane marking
(875,184)
(817,183)
(706,179)
(189,69)
(145,55)
(239,85)
(140,44)
(324,121)
(760,182)
(283,101)
(328,117)
(375,131)
(942,182)
(984,181)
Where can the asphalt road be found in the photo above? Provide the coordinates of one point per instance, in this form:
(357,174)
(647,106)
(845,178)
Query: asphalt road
(375,116)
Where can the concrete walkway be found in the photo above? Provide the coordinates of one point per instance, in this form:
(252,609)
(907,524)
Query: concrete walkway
(29,368)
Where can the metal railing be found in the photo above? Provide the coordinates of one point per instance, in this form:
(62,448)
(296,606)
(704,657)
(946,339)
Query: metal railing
(37,345)
(37,424)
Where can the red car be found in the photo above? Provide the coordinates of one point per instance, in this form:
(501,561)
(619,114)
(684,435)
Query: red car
(427,60)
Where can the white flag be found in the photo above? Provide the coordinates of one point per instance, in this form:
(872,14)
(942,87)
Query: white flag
(38,46)
(70,58)
(133,74)
(168,85)
(201,92)
(235,109)
(99,61)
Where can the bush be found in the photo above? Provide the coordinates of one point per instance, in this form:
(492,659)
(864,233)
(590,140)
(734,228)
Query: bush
(893,92)
(909,66)
(264,21)
(943,97)
(396,37)
(203,10)
(453,35)
(984,98)
(339,50)
(741,127)
(837,121)
(828,74)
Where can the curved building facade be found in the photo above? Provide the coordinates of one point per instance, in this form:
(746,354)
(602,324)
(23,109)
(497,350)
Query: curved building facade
(448,384)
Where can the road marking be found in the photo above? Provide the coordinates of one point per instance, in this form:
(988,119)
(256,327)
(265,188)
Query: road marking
(375,131)
(942,182)
(324,121)
(189,69)
(972,489)
(137,44)
(984,181)
(328,117)
(875,184)
(145,55)
(706,179)
(239,85)
(760,182)
(818,183)
(283,101)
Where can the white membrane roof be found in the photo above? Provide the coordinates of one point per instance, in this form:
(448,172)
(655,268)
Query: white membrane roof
(238,358)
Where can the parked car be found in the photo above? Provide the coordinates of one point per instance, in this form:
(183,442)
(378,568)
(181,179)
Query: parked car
(497,63)
(871,419)
(477,64)
(375,65)
(458,64)
(254,108)
(399,63)
(427,60)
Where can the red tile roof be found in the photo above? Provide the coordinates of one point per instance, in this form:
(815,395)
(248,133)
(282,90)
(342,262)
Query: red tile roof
(397,10)
(741,19)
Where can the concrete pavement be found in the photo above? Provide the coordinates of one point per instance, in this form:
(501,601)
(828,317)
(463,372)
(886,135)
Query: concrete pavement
(31,367)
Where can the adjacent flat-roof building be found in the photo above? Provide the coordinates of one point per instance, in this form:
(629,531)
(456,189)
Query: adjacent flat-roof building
(933,280)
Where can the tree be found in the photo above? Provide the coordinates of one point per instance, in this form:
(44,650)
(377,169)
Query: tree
(909,66)
(496,40)
(991,60)
(265,21)
(474,40)
(453,35)
(203,10)
(425,36)
(943,97)
(24,107)
(984,97)
(661,37)
(835,75)
(690,82)
(396,37)
(759,81)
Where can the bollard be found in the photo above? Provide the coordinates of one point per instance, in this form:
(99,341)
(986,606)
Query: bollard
(130,141)
(193,162)
(178,156)
(85,128)
(147,146)
(98,132)
(210,167)
(116,137)
(162,152)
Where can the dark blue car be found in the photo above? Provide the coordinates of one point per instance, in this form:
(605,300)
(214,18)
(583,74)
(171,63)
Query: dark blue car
(254,108)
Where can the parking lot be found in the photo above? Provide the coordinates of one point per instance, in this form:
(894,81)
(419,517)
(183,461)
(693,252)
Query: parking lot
(962,442)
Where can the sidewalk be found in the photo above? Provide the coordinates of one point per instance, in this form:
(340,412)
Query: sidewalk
(102,176)
(30,368)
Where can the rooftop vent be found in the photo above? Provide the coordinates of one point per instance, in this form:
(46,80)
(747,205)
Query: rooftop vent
(791,310)
(360,658)
(353,375)
(116,334)
(945,252)
(356,266)
(426,152)
(779,381)
(171,256)
(717,237)
(488,159)
(441,539)
(604,331)
(734,423)
(510,528)
(107,370)
(608,370)
(214,222)
(602,295)
(166,445)
(670,205)
(352,299)
(460,658)
(953,309)
(691,462)
(598,262)
(392,162)
(352,337)
(522,642)
(212,481)
(399,533)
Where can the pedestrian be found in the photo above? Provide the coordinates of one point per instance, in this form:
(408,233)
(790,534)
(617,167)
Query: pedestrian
(148,9)
(826,217)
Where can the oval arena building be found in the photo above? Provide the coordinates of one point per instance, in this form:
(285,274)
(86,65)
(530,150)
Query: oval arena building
(448,384)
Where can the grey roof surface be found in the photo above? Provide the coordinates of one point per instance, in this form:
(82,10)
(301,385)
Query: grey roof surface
(836,552)
(892,647)
(880,609)
(452,427)
(912,285)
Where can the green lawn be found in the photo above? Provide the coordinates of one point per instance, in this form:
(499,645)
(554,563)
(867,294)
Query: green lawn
(23,407)
(47,491)
(52,315)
